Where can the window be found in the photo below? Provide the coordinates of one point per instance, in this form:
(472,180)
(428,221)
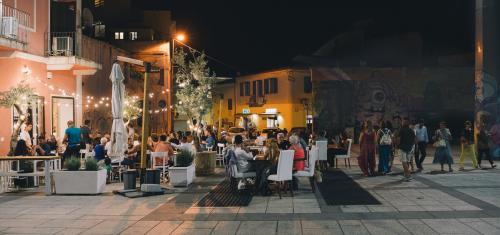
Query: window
(132,35)
(242,91)
(119,35)
(259,88)
(273,85)
(307,84)
(266,86)
(229,104)
(100,31)
(98,3)
(254,86)
(247,88)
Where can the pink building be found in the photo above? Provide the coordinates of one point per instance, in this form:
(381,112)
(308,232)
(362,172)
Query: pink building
(49,66)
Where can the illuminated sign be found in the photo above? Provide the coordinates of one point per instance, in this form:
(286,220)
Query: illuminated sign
(271,111)
(246,111)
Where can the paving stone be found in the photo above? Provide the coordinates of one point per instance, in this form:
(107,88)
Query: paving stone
(192,231)
(257,227)
(354,209)
(225,210)
(110,227)
(417,227)
(63,223)
(384,227)
(318,231)
(319,224)
(483,227)
(27,230)
(199,210)
(21,222)
(164,227)
(289,227)
(354,229)
(70,231)
(307,210)
(226,228)
(244,210)
(450,226)
(198,224)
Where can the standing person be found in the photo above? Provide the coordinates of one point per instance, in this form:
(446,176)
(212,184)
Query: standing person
(384,137)
(85,130)
(422,140)
(406,141)
(367,144)
(443,148)
(483,146)
(72,136)
(468,148)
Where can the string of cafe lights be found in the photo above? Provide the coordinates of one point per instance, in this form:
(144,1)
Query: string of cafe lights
(103,101)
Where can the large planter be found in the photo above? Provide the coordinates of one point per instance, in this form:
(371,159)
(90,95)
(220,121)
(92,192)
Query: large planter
(80,182)
(205,163)
(181,176)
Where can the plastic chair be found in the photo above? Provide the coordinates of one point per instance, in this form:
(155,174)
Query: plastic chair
(322,146)
(164,165)
(309,172)
(220,157)
(346,156)
(284,171)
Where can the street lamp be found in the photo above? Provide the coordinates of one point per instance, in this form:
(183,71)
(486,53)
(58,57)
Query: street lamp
(180,37)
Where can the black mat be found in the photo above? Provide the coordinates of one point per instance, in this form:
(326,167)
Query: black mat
(339,189)
(224,196)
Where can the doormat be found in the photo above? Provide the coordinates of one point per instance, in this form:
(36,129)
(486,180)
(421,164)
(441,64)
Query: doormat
(337,188)
(224,196)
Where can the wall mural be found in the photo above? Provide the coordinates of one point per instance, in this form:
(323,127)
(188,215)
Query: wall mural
(487,106)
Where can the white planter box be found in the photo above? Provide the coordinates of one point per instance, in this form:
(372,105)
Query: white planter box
(181,176)
(80,182)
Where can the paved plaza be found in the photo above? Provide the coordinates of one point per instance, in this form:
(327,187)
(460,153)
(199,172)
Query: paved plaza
(463,202)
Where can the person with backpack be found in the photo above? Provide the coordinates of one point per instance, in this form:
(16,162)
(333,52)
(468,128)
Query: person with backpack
(384,137)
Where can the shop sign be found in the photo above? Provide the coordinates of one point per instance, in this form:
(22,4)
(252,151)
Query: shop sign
(246,111)
(271,111)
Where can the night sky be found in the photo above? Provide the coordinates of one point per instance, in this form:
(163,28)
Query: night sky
(259,35)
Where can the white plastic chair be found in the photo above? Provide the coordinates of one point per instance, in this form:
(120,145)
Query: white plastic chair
(284,171)
(322,146)
(164,165)
(220,157)
(346,156)
(309,172)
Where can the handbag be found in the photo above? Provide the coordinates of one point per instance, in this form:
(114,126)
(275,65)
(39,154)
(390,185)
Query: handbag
(439,143)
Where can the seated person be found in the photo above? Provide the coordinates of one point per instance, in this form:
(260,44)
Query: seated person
(299,156)
(185,145)
(242,155)
(272,154)
(283,143)
(99,152)
(133,154)
(163,146)
(52,143)
(22,149)
(210,140)
(43,148)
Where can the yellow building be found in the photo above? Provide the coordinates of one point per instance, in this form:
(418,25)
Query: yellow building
(277,98)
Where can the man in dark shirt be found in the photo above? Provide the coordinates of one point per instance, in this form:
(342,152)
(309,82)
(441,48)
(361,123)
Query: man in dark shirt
(406,141)
(85,131)
(468,148)
(483,147)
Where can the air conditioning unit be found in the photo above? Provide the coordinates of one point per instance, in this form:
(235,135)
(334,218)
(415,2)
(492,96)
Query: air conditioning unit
(9,27)
(62,46)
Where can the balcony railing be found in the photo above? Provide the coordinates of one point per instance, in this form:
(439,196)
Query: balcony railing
(14,24)
(64,44)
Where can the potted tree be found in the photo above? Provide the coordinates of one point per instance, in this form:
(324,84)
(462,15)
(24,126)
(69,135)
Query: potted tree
(74,180)
(182,174)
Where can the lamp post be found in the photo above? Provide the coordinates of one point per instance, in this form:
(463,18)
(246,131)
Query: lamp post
(170,92)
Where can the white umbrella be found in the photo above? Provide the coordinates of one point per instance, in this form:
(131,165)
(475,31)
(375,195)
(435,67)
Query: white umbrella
(118,132)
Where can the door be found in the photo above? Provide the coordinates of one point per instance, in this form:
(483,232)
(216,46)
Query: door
(63,110)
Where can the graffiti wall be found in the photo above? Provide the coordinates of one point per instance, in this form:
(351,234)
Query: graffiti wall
(347,97)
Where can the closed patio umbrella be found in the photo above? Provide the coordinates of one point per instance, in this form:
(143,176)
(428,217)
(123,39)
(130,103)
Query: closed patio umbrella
(118,133)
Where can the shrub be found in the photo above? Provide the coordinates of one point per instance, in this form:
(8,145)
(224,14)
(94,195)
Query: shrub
(184,158)
(73,164)
(91,165)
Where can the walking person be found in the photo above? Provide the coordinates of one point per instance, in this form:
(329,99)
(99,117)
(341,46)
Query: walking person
(405,142)
(422,140)
(384,137)
(468,148)
(443,148)
(483,146)
(86,136)
(367,144)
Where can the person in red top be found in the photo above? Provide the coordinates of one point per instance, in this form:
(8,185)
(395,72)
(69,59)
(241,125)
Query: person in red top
(367,144)
(299,156)
(163,146)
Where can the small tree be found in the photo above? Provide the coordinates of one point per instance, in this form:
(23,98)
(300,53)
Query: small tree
(195,82)
(131,109)
(19,97)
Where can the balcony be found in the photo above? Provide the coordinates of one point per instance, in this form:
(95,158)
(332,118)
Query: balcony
(257,101)
(14,27)
(60,47)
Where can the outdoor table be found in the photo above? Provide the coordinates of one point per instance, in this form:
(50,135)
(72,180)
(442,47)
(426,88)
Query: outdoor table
(205,163)
(5,169)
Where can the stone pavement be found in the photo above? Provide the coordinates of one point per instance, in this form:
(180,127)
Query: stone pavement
(458,203)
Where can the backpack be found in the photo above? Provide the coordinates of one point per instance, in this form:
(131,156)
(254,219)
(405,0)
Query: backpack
(386,138)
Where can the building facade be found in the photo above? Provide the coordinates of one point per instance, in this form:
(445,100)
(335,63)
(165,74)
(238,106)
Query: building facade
(279,98)
(56,78)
